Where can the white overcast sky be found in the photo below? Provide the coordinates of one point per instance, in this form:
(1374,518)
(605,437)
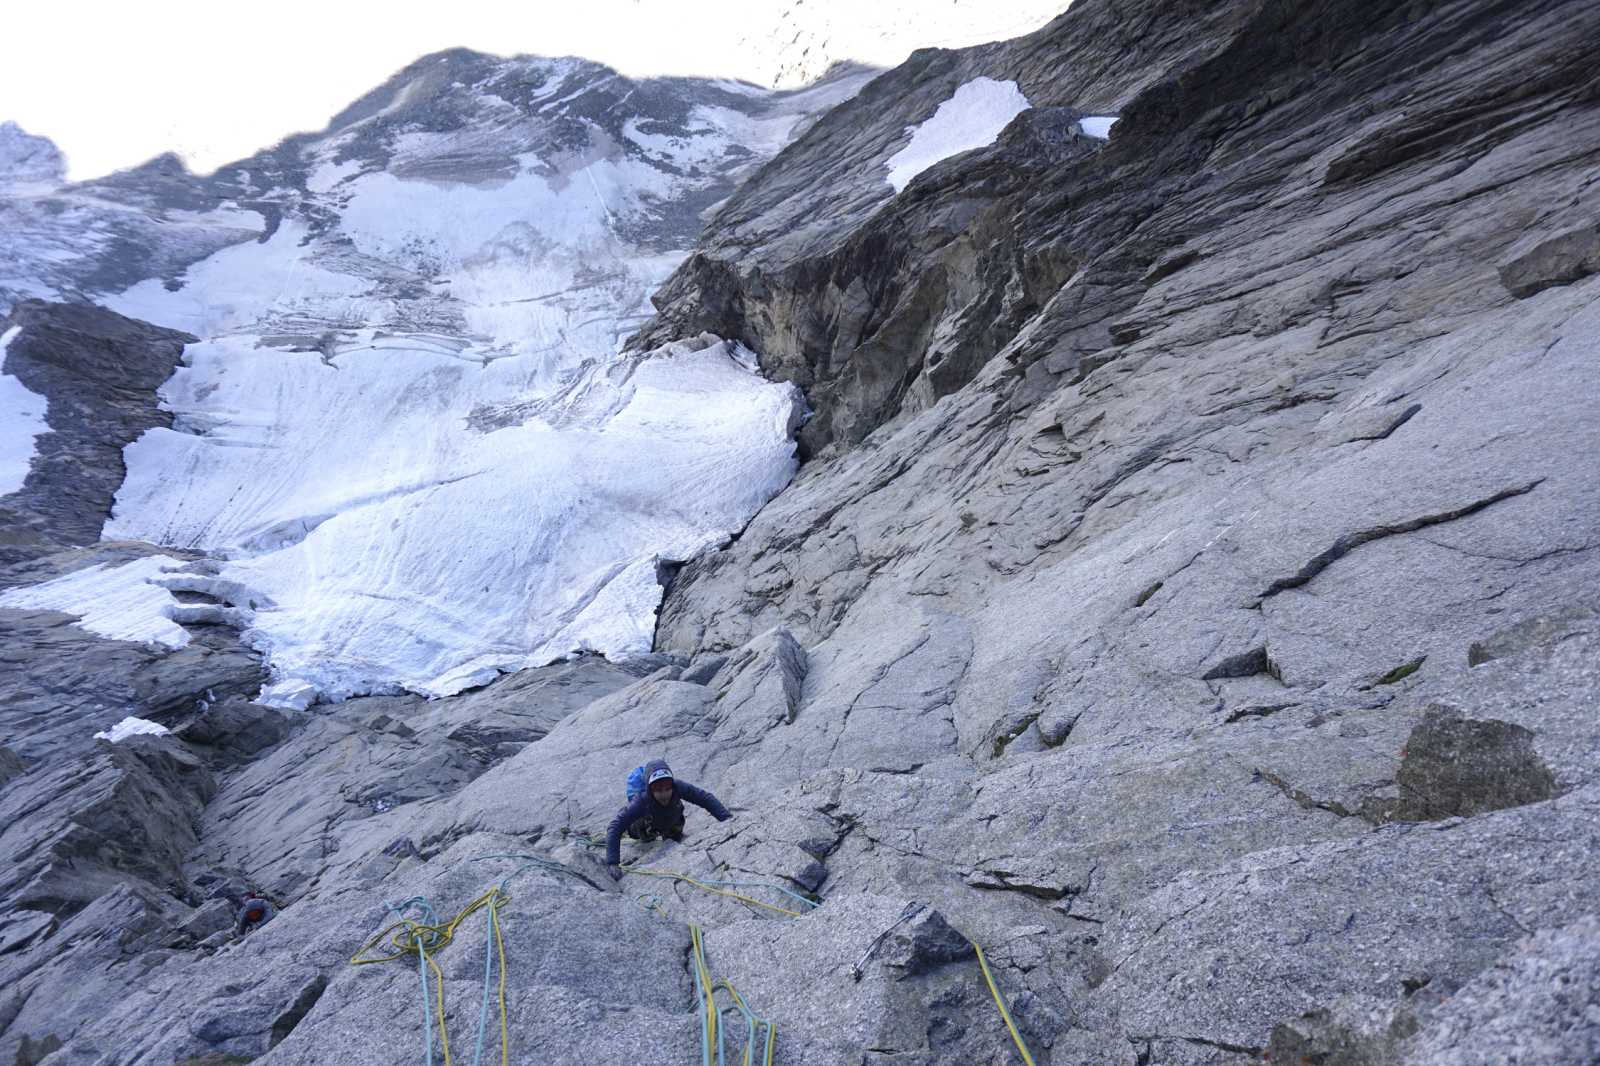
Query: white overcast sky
(114,84)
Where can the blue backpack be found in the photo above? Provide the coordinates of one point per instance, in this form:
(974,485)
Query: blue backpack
(636,785)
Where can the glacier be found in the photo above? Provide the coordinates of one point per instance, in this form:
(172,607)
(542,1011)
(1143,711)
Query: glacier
(412,324)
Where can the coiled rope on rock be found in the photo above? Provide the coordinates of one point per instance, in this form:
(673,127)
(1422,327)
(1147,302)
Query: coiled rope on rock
(711,1030)
(427,938)
(702,977)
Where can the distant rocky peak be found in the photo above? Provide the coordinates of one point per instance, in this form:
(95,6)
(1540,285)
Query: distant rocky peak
(28,159)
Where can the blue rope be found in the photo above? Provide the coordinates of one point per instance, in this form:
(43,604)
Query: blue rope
(421,902)
(535,862)
(749,1034)
(483,1010)
(751,1023)
(700,998)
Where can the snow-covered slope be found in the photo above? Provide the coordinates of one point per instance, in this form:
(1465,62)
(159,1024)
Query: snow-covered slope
(21,422)
(408,430)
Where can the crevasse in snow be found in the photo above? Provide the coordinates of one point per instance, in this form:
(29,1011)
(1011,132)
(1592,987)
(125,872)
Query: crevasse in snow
(401,517)
(971,118)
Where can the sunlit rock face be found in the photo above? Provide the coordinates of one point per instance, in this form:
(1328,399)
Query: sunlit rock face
(406,437)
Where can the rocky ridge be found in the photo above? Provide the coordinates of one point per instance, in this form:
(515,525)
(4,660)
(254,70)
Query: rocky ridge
(1191,600)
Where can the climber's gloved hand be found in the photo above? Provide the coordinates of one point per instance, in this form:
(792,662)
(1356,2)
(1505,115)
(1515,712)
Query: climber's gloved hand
(615,871)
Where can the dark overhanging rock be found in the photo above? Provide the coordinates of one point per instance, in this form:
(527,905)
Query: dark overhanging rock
(923,943)
(235,731)
(1353,1034)
(31,1052)
(61,683)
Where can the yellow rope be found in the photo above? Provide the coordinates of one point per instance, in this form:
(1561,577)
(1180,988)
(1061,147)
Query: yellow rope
(710,1032)
(500,946)
(1001,1003)
(737,998)
(718,891)
(444,1034)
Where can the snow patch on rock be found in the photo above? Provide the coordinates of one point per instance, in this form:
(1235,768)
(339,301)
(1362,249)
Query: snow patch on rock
(22,422)
(132,727)
(290,694)
(972,118)
(116,601)
(1098,125)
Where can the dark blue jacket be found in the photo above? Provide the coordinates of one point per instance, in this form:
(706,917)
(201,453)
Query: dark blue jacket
(664,818)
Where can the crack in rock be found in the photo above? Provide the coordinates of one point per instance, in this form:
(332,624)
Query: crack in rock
(1350,541)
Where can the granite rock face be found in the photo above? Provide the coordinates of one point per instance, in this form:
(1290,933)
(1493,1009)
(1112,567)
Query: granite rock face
(1191,601)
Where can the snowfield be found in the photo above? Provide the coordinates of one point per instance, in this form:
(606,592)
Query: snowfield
(132,727)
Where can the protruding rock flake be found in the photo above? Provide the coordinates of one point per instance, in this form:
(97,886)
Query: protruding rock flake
(972,118)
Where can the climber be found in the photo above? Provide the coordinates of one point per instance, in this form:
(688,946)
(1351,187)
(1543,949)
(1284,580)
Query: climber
(656,810)
(254,913)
